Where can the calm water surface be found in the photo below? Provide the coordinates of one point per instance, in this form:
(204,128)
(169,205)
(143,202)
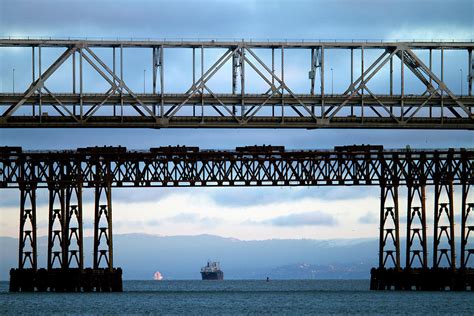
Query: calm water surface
(307,297)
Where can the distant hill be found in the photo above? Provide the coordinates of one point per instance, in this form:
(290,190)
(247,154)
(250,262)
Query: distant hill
(181,257)
(332,271)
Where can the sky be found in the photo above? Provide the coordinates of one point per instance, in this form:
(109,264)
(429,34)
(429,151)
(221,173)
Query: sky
(244,213)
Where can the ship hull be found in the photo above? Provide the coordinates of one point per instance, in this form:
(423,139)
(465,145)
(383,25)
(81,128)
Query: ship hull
(218,275)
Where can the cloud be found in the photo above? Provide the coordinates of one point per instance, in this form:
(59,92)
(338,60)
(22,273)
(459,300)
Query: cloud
(396,19)
(193,218)
(435,32)
(137,195)
(373,218)
(256,18)
(238,197)
(179,219)
(315,218)
(184,218)
(9,198)
(368,218)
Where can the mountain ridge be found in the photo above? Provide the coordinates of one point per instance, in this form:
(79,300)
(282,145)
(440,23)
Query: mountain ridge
(181,256)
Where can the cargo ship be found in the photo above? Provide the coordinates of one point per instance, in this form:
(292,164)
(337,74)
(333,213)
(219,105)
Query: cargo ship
(212,271)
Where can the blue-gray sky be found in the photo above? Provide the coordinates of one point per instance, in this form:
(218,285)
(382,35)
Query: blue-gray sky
(279,212)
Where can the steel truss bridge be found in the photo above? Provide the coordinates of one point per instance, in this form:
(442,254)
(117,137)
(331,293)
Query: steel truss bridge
(66,173)
(277,106)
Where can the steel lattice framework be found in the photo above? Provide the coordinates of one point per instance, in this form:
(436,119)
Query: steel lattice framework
(66,173)
(189,166)
(276,107)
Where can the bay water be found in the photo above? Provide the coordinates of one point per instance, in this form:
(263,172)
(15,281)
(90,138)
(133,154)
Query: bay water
(239,297)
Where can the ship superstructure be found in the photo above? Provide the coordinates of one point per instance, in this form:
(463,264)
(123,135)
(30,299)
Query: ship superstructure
(212,271)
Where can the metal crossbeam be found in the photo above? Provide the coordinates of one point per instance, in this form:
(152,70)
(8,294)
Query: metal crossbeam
(279,105)
(38,84)
(186,166)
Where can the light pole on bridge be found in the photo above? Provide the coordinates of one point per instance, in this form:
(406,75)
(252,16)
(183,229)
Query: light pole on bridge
(13,80)
(332,81)
(460,69)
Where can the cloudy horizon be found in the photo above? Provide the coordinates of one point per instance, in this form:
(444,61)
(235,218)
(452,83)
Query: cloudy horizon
(244,213)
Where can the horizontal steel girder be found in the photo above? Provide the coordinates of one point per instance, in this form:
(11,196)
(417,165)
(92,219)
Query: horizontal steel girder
(232,43)
(51,118)
(182,166)
(434,106)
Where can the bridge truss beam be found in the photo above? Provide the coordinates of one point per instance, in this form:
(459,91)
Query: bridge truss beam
(189,166)
(65,173)
(205,104)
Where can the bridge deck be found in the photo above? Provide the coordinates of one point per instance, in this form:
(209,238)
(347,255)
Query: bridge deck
(254,166)
(238,84)
(227,43)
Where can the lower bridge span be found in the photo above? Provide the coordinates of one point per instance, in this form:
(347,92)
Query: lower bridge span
(66,173)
